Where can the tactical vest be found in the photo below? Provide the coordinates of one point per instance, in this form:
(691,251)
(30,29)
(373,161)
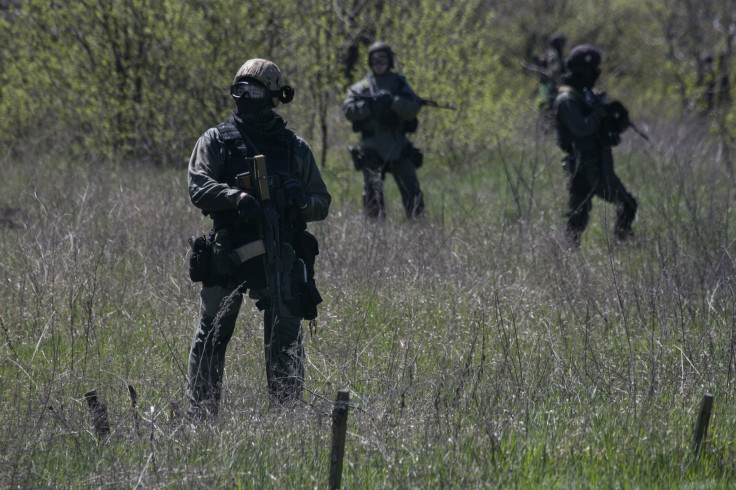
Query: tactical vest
(279,160)
(566,140)
(278,152)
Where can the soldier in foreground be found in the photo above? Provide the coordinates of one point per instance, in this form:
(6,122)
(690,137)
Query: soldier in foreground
(259,207)
(587,128)
(383,108)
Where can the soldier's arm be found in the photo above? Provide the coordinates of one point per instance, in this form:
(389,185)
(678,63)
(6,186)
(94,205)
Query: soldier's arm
(406,103)
(570,113)
(318,198)
(206,170)
(354,107)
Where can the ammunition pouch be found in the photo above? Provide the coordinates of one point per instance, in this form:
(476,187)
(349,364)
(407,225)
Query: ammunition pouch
(199,258)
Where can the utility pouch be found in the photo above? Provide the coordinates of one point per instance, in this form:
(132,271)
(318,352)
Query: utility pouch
(358,158)
(414,155)
(306,248)
(310,299)
(199,258)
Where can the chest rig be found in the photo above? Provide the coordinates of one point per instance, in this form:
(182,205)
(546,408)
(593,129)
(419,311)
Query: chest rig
(277,149)
(279,152)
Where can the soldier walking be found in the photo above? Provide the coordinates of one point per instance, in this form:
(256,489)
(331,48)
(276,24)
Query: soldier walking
(587,128)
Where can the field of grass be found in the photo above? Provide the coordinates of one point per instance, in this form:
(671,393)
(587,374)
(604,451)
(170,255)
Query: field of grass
(478,350)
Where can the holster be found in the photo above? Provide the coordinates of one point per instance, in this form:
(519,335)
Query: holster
(199,258)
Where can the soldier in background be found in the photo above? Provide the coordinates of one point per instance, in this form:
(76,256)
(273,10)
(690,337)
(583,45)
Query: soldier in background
(383,108)
(552,69)
(587,128)
(235,258)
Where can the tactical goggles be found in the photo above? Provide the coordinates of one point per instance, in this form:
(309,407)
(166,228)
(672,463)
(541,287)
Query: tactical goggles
(249,90)
(379,58)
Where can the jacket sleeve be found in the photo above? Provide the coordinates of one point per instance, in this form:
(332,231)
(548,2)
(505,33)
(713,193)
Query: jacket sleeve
(318,198)
(406,103)
(570,114)
(207,190)
(354,107)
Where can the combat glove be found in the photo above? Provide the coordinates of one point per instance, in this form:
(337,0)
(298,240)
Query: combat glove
(249,209)
(382,100)
(295,194)
(619,116)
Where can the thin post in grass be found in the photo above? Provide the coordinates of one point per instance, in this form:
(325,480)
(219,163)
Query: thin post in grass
(701,426)
(339,428)
(98,414)
(134,407)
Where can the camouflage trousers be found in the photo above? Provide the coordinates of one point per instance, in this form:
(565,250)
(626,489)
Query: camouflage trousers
(405,175)
(284,354)
(595,177)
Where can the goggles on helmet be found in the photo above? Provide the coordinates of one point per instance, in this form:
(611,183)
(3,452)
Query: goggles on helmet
(249,90)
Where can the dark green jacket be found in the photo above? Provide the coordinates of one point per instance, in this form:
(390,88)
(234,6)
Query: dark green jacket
(209,192)
(578,124)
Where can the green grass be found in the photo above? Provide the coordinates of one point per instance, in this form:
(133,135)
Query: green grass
(478,351)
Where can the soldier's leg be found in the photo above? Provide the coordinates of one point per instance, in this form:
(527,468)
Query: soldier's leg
(405,175)
(626,207)
(579,204)
(219,307)
(615,192)
(284,356)
(373,204)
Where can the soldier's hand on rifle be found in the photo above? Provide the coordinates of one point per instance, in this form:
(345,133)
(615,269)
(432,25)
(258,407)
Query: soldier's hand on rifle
(249,209)
(295,194)
(382,100)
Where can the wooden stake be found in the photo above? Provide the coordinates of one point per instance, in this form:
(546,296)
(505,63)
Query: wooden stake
(701,426)
(339,428)
(98,414)
(134,406)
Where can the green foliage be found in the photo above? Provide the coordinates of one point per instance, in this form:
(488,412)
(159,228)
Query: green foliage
(144,78)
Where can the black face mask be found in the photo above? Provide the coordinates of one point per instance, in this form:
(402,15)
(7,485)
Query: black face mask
(583,78)
(251,106)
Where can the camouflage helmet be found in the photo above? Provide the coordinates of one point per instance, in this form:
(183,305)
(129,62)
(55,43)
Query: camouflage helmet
(269,75)
(381,46)
(583,57)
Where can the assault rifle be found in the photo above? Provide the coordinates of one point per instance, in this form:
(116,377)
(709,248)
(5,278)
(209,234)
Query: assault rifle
(436,105)
(617,117)
(270,232)
(422,101)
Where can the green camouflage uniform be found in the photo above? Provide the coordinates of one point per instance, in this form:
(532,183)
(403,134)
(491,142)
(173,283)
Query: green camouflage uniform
(384,142)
